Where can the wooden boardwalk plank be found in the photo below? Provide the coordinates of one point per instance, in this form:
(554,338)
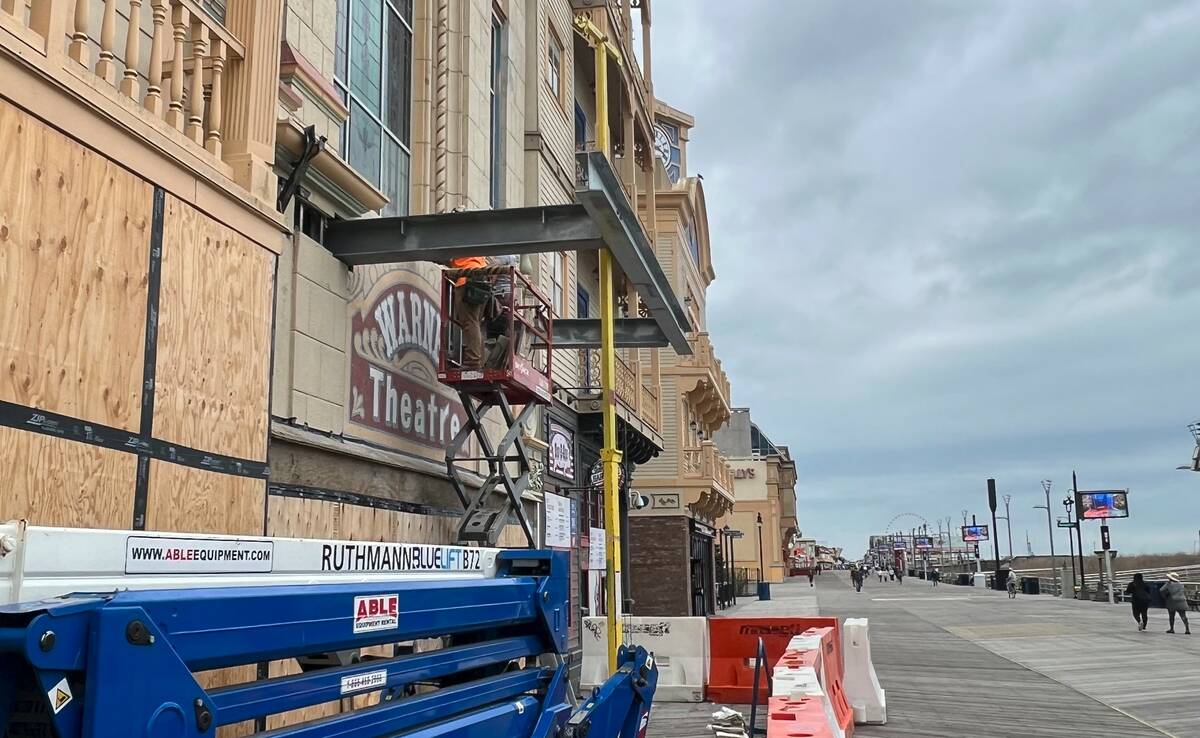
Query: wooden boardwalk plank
(962,662)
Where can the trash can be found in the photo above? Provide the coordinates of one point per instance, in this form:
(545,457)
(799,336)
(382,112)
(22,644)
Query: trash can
(1031,585)
(764,590)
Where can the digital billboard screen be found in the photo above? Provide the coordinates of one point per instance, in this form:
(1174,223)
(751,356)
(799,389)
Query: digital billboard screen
(924,543)
(900,545)
(1105,503)
(975,533)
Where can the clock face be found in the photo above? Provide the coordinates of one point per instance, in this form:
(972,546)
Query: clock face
(662,145)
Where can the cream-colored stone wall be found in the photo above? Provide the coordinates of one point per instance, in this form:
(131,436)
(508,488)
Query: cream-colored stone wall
(749,479)
(310,28)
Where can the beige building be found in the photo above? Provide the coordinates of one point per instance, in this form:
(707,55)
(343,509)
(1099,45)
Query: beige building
(689,485)
(442,106)
(764,483)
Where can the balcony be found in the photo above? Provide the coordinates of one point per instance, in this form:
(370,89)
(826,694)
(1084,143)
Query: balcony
(174,76)
(637,391)
(704,381)
(714,497)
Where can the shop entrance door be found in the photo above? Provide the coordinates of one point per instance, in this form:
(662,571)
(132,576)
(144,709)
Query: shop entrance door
(702,574)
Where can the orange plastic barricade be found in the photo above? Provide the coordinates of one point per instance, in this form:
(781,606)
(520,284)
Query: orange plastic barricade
(800,717)
(841,706)
(733,643)
(831,651)
(820,649)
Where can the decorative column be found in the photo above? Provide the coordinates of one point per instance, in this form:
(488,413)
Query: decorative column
(251,93)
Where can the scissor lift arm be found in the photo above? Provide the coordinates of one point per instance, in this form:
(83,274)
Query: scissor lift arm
(122,665)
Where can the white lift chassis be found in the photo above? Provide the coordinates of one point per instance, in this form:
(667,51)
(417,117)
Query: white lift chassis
(102,634)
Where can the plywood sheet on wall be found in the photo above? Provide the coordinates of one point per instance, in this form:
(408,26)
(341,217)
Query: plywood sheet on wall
(289,667)
(299,518)
(74,250)
(226,678)
(214,341)
(197,501)
(52,481)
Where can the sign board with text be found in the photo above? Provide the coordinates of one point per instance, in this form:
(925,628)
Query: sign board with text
(597,549)
(558,521)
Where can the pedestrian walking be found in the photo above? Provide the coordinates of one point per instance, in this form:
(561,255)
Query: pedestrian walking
(1176,601)
(1139,596)
(812,575)
(935,577)
(899,575)
(880,572)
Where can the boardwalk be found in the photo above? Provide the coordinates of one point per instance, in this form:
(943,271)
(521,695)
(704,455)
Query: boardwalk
(957,661)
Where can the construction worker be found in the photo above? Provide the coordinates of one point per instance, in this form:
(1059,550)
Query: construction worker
(470,305)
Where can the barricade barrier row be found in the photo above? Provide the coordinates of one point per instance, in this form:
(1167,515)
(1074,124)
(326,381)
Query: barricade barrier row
(867,699)
(817,649)
(798,717)
(679,645)
(733,642)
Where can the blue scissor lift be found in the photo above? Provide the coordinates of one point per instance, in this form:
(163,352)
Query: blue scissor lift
(123,665)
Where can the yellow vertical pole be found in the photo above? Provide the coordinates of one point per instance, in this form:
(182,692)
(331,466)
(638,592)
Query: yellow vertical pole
(610,455)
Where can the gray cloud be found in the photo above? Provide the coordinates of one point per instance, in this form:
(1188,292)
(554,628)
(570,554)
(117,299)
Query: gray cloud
(953,241)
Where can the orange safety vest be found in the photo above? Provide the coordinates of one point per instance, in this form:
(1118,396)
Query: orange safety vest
(467,262)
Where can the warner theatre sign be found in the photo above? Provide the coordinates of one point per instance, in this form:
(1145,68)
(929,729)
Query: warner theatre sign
(395,336)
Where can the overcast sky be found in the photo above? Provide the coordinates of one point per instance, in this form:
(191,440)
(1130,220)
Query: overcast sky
(954,240)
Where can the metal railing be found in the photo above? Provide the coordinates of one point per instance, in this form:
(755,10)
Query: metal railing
(632,389)
(745,581)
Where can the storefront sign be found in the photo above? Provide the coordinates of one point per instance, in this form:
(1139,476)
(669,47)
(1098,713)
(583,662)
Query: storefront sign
(562,450)
(395,333)
(743,473)
(596,477)
(558,521)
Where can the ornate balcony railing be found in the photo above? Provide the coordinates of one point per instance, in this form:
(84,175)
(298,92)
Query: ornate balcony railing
(704,357)
(634,385)
(166,57)
(706,462)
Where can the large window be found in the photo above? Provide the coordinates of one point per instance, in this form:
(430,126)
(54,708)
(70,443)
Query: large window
(372,71)
(496,169)
(554,63)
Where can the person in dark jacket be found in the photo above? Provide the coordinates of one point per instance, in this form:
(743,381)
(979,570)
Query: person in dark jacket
(1176,601)
(1139,596)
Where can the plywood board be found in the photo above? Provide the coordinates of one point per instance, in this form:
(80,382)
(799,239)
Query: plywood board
(293,517)
(74,251)
(225,678)
(191,500)
(289,667)
(52,481)
(214,341)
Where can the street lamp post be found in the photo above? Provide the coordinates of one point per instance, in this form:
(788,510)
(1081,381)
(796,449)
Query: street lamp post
(764,592)
(1050,528)
(1076,572)
(1008,526)
(1071,543)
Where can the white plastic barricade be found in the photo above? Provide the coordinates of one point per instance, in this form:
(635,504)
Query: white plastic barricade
(866,697)
(679,645)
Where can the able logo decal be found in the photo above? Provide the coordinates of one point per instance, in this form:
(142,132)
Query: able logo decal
(376,612)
